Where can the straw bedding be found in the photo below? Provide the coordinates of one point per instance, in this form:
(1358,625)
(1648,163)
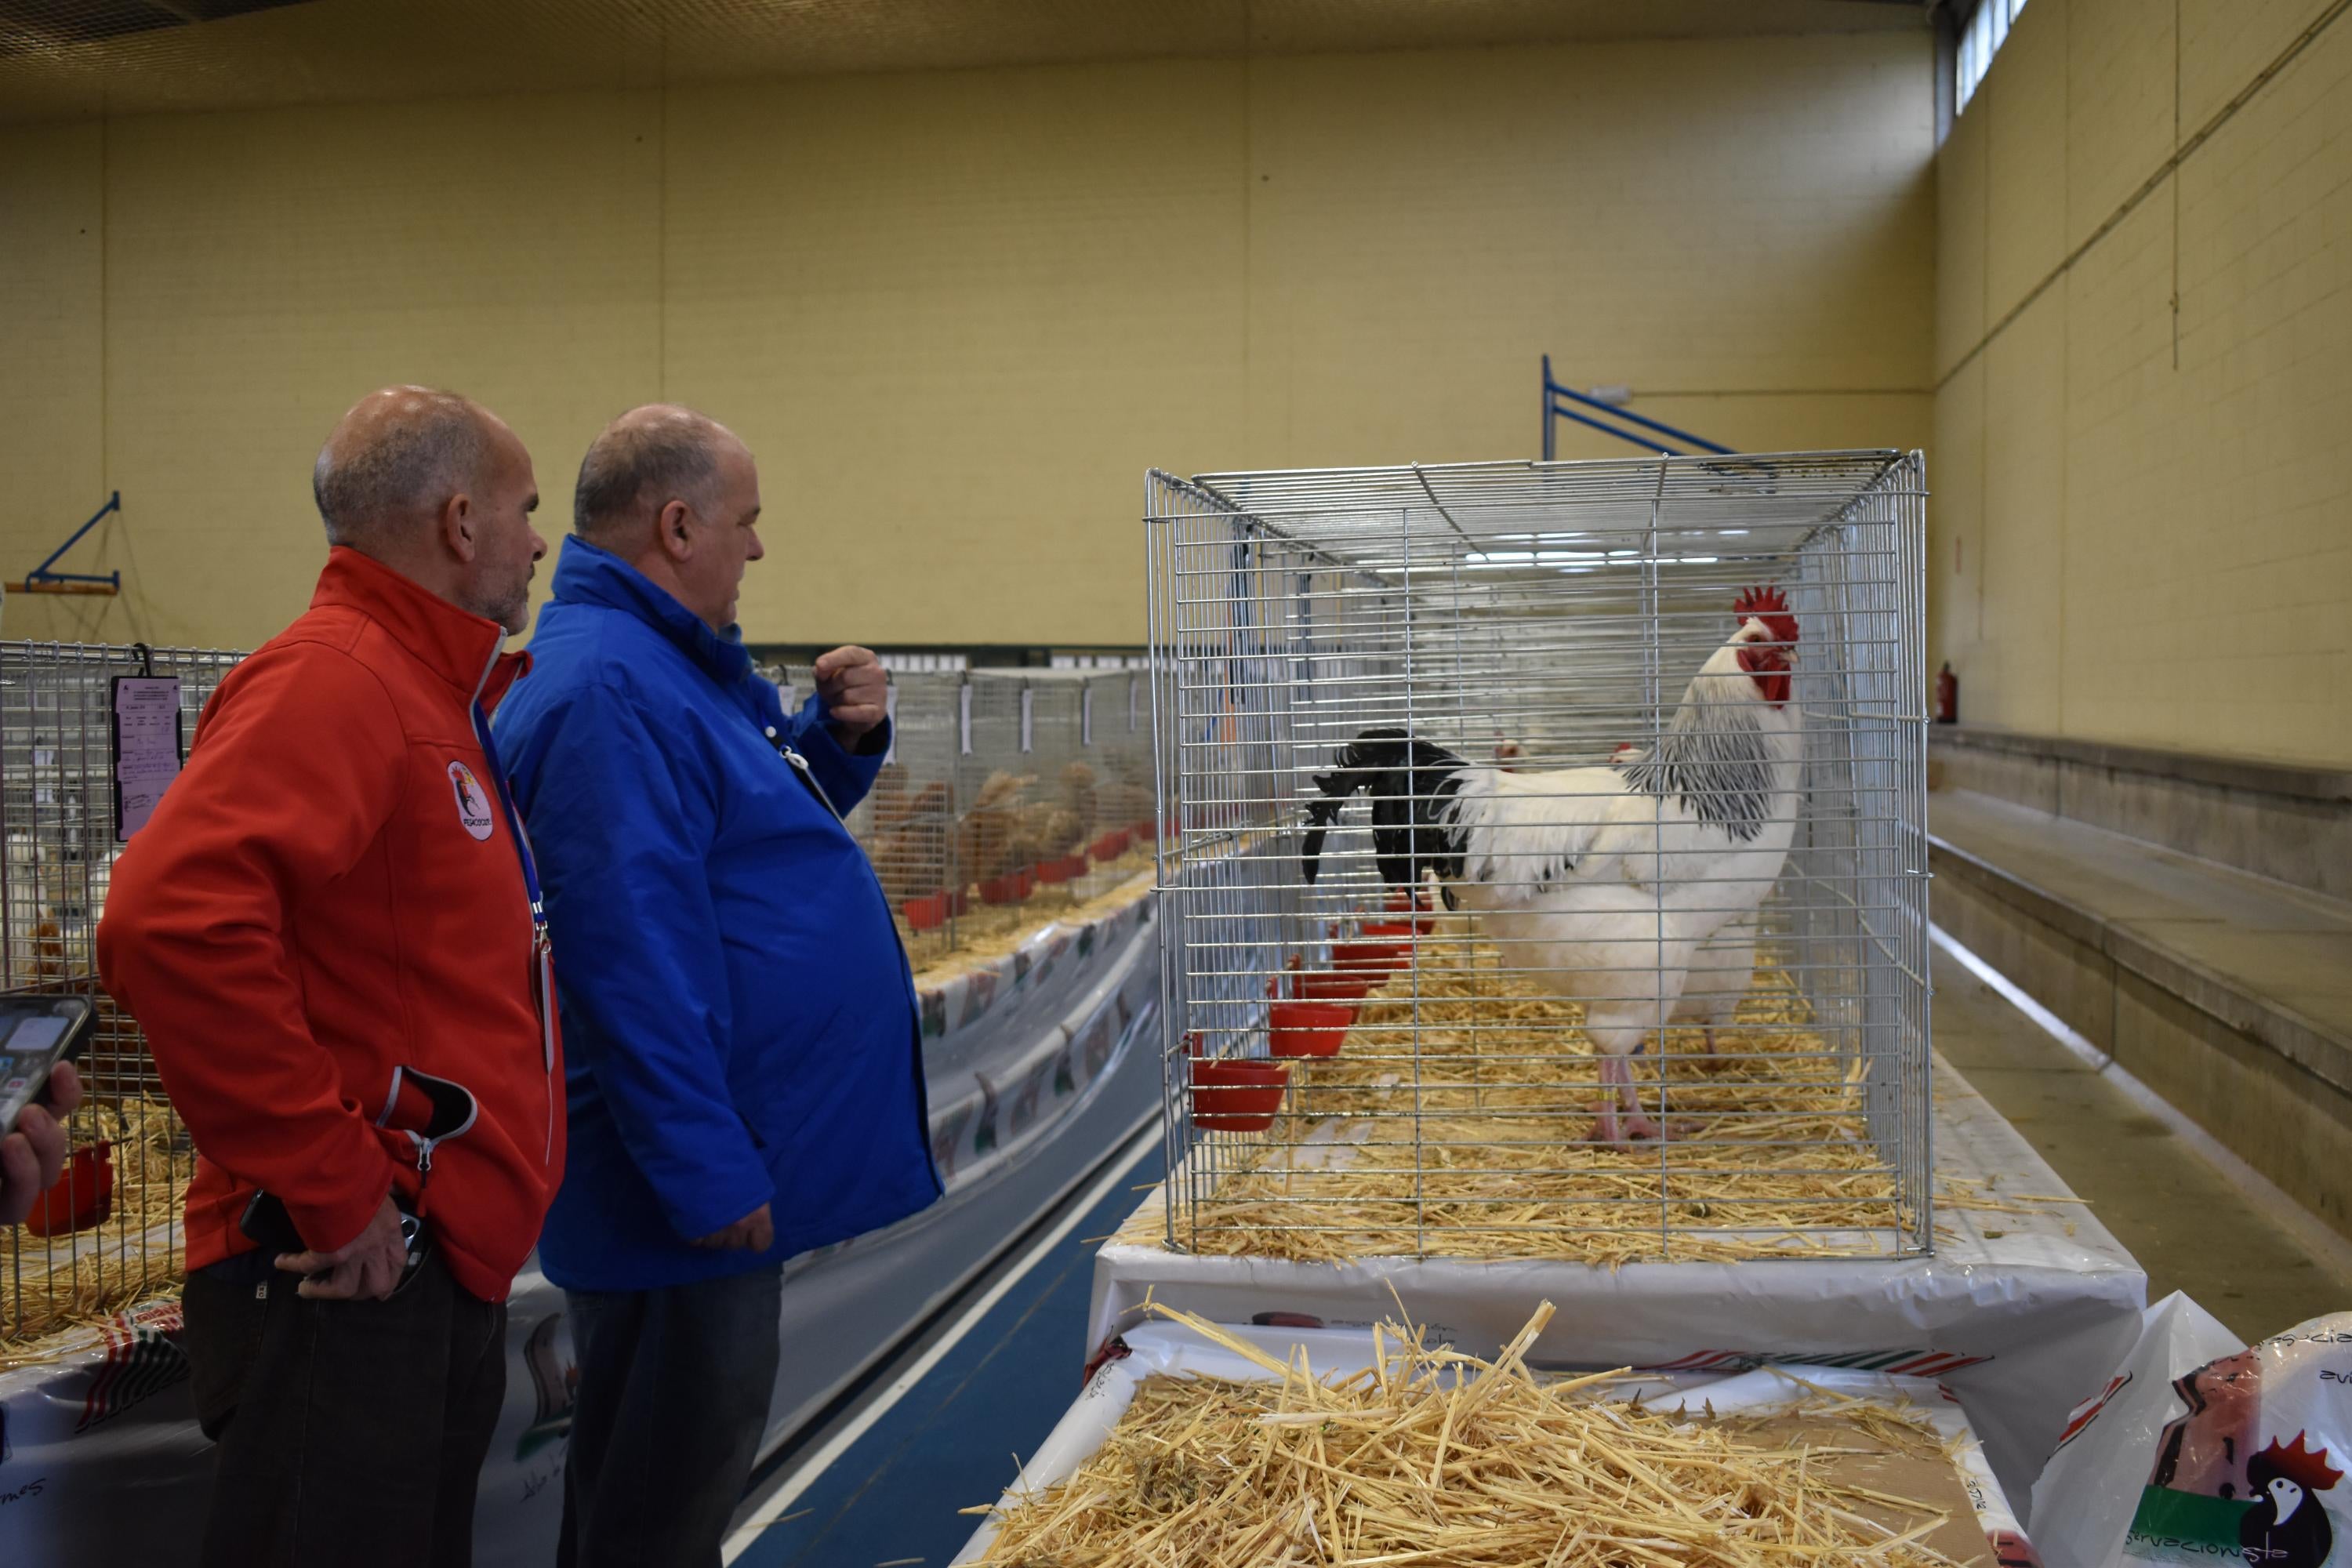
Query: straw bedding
(50,1286)
(1771,1156)
(1430,1457)
(985,932)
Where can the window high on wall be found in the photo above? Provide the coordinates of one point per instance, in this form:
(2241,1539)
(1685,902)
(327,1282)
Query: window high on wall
(1985,30)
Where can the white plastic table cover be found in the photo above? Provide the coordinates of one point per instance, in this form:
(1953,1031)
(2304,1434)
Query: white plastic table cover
(2021,1315)
(1173,1349)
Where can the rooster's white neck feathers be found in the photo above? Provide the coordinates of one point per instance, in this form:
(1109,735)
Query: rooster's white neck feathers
(1715,756)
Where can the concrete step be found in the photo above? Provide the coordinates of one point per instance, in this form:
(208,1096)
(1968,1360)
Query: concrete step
(2227,993)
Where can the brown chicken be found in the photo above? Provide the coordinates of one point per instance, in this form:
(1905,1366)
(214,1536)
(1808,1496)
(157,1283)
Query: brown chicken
(1078,793)
(988,836)
(1056,829)
(908,840)
(1125,799)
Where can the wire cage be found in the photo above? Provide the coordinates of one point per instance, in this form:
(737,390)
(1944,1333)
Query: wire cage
(1007,796)
(1116,728)
(109,1233)
(1547,872)
(906,822)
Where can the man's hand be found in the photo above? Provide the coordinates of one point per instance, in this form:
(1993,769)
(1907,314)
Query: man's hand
(754,1232)
(34,1152)
(370,1266)
(856,692)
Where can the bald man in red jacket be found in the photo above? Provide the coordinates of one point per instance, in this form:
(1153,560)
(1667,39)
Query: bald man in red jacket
(330,934)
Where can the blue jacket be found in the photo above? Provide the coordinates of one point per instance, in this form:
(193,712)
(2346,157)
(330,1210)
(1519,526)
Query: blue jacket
(739,1022)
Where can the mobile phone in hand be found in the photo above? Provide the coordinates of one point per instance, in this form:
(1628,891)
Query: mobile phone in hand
(37,1033)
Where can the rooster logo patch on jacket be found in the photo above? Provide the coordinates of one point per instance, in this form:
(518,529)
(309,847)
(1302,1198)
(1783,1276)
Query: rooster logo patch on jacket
(473,804)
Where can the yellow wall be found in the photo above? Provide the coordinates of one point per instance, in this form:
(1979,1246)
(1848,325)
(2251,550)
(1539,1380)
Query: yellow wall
(2142,530)
(955,314)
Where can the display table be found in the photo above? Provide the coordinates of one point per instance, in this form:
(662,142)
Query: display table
(2020,1314)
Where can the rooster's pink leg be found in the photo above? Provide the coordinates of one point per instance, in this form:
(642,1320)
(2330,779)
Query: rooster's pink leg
(1636,1124)
(1620,1116)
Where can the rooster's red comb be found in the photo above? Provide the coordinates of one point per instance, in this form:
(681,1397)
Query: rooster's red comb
(1770,606)
(2306,1467)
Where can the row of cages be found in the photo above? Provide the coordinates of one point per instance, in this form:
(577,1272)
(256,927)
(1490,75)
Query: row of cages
(1548,866)
(1006,798)
(109,1233)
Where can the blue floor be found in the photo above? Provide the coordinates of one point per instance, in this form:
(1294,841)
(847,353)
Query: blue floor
(952,1441)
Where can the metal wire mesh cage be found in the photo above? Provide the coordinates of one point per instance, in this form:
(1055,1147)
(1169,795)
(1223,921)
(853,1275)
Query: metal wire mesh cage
(1549,871)
(1007,796)
(111,1233)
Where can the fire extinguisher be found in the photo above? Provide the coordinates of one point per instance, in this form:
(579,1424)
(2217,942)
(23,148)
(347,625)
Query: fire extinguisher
(1948,696)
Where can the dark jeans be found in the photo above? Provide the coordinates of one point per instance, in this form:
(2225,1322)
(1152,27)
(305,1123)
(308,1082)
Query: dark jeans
(349,1432)
(674,1387)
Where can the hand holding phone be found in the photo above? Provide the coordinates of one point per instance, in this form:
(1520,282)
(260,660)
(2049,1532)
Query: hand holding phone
(36,1035)
(33,1153)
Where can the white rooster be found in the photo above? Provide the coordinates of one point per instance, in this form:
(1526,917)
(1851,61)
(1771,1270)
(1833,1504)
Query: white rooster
(1603,884)
(1717,981)
(1723,969)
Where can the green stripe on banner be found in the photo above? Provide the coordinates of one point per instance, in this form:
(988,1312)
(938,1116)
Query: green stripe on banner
(2184,1526)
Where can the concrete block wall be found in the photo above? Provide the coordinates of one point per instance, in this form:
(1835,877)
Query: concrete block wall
(2142,527)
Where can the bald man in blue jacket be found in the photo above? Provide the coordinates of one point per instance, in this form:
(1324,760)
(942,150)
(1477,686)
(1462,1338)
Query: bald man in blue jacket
(743,1045)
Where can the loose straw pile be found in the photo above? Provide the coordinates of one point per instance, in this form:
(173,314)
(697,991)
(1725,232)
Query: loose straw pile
(51,1285)
(1429,1457)
(1771,1154)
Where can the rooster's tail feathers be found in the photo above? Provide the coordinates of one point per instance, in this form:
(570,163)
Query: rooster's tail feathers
(1381,762)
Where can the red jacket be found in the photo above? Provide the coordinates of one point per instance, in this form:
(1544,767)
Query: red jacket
(325,935)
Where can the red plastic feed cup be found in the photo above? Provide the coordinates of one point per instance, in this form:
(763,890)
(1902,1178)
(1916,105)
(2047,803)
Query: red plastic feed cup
(1324,986)
(1233,1095)
(83,1196)
(1308,1029)
(1368,956)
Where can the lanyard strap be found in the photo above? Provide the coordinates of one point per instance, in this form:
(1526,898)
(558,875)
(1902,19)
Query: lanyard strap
(514,823)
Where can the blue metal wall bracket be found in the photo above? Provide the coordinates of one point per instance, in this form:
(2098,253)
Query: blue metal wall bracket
(43,579)
(1564,402)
